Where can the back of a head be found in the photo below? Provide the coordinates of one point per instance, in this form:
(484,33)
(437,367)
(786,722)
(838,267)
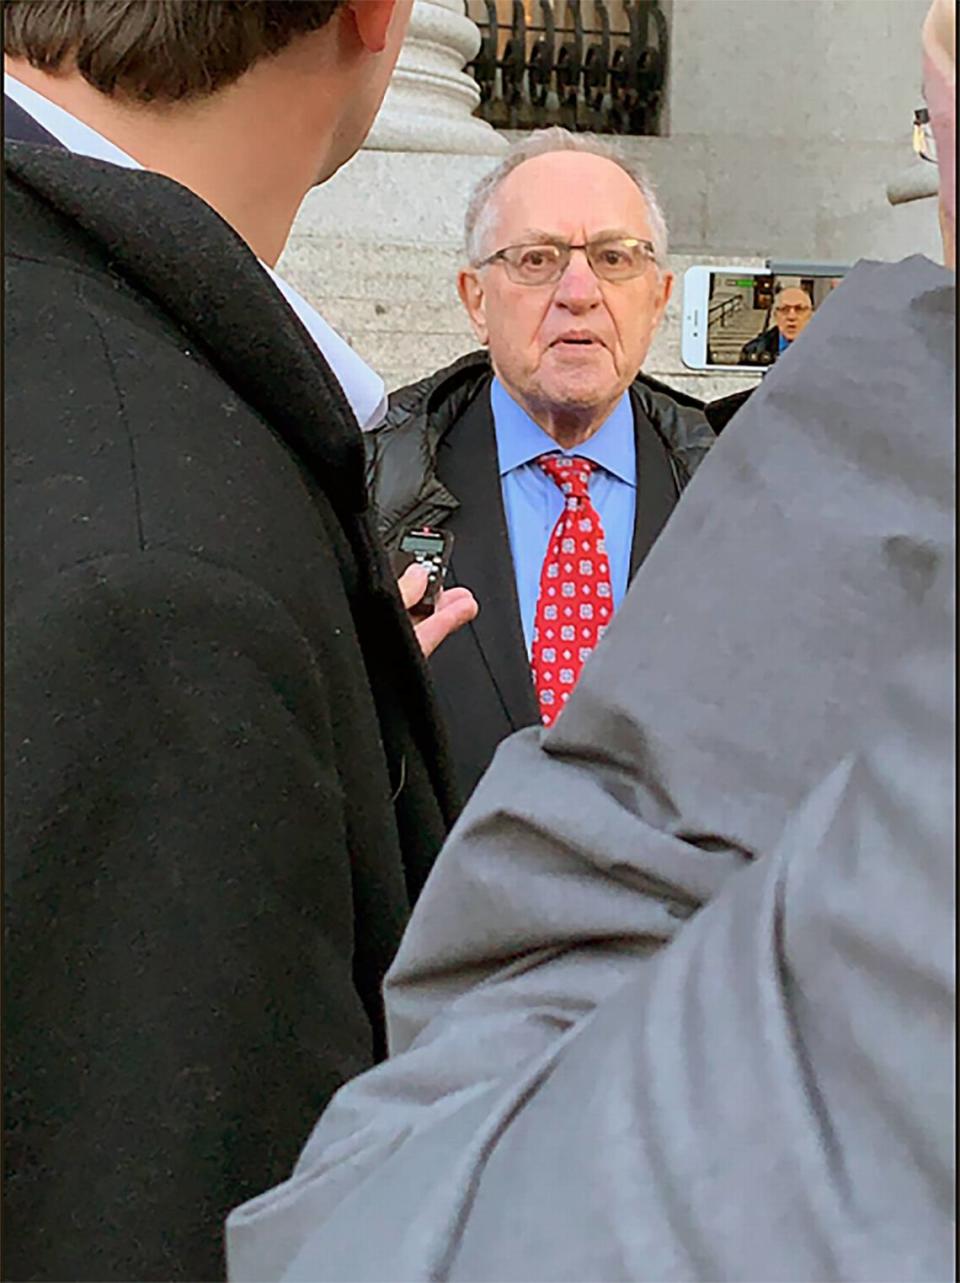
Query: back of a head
(161,51)
(247,103)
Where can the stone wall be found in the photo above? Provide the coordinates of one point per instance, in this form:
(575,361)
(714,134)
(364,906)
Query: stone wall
(787,120)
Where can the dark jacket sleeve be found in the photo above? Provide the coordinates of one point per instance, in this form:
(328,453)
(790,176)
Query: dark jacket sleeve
(681,424)
(762,349)
(720,412)
(178,915)
(401,477)
(402,453)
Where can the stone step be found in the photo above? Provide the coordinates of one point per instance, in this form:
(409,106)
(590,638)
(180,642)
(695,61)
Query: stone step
(358,269)
(354,316)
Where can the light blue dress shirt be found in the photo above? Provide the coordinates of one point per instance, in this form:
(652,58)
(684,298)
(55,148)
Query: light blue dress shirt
(533,503)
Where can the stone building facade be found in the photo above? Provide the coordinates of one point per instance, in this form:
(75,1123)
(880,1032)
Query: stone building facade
(784,120)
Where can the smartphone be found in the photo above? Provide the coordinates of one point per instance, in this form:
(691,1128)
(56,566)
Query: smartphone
(739,318)
(432,549)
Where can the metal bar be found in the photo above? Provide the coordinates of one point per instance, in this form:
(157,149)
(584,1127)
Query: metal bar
(807,269)
(597,77)
(724,308)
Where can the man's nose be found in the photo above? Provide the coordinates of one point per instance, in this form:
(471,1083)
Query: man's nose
(578,287)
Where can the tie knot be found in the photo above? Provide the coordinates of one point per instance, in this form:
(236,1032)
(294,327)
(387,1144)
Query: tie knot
(570,473)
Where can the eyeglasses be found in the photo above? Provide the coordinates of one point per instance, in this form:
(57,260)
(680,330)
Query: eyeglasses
(792,309)
(924,143)
(614,259)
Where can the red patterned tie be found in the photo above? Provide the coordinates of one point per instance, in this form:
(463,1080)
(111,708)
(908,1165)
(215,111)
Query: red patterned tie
(576,596)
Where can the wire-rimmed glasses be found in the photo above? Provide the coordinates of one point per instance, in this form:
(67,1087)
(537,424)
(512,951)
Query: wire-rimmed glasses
(614,259)
(792,309)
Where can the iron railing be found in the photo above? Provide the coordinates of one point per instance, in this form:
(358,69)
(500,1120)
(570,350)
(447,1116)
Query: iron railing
(598,78)
(723,308)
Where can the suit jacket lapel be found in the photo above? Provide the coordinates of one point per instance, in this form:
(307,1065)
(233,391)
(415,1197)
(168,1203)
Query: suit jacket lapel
(656,487)
(481,561)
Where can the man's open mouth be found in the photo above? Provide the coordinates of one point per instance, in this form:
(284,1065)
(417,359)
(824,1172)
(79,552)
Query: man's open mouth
(576,340)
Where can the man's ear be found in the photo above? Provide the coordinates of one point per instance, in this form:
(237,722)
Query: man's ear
(666,290)
(372,20)
(472,297)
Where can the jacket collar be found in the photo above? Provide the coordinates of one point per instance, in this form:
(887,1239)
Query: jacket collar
(222,300)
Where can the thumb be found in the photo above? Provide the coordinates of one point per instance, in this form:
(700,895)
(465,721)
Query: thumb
(413,584)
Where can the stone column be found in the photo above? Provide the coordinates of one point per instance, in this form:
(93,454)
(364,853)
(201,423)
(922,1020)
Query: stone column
(430,102)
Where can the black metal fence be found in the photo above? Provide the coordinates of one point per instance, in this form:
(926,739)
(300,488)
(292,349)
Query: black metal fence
(601,78)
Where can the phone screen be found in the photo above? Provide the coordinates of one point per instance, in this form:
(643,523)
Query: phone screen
(754,316)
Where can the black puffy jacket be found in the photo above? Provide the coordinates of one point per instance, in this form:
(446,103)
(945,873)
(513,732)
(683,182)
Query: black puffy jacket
(402,452)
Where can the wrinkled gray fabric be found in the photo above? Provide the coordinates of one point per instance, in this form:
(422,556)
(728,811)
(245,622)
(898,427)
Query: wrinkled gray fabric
(771,1096)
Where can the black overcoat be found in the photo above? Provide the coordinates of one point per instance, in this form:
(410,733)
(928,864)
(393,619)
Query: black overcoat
(224,785)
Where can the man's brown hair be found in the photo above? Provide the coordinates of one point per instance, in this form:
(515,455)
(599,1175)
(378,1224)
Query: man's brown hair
(157,50)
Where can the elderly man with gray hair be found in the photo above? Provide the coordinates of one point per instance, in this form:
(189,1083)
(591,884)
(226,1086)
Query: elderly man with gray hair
(551,459)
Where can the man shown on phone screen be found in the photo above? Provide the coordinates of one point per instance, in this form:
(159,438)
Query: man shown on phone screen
(792,310)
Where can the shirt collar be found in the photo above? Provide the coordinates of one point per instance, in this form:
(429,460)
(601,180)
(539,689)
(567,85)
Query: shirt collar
(520,440)
(363,388)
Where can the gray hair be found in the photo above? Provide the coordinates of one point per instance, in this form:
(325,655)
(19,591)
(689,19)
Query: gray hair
(542,143)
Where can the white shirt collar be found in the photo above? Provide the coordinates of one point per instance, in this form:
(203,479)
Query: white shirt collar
(363,388)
